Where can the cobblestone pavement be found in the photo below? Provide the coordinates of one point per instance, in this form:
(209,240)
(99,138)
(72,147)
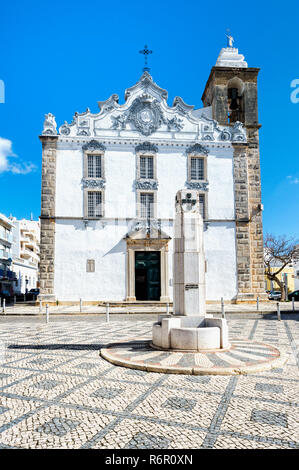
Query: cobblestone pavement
(57,392)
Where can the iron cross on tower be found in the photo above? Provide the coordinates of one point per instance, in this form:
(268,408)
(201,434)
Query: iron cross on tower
(145,52)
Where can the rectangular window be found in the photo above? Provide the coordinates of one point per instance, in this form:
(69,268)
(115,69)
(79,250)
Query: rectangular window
(197,169)
(146,205)
(90,266)
(202,205)
(95,204)
(146,167)
(94,166)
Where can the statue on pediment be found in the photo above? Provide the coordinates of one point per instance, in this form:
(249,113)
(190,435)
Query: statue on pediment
(50,126)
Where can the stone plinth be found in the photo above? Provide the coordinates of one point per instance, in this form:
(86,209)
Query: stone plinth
(189,329)
(189,262)
(230,57)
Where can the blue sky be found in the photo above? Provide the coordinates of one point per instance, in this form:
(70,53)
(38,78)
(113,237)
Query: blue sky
(64,56)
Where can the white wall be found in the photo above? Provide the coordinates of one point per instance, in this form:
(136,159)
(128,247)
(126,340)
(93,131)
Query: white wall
(120,175)
(220,253)
(75,244)
(103,240)
(24,272)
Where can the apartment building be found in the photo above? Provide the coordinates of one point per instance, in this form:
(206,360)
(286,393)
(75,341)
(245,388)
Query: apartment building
(25,254)
(7,276)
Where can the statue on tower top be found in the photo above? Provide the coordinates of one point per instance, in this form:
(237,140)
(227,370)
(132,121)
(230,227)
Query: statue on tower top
(230,39)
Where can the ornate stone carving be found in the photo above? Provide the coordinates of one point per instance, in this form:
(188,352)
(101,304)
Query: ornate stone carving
(84,132)
(119,122)
(146,83)
(147,224)
(198,185)
(146,147)
(225,135)
(238,132)
(93,183)
(146,184)
(65,129)
(197,149)
(175,123)
(145,113)
(181,107)
(109,105)
(93,145)
(50,126)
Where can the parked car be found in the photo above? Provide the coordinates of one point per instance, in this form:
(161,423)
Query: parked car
(275,295)
(34,291)
(294,294)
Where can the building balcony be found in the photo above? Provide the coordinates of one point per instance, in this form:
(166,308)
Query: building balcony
(6,239)
(4,254)
(29,255)
(28,235)
(24,239)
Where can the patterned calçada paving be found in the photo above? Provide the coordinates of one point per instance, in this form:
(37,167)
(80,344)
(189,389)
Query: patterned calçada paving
(56,392)
(243,356)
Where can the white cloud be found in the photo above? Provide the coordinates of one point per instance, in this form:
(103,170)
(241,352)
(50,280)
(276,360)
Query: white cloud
(293,179)
(15,166)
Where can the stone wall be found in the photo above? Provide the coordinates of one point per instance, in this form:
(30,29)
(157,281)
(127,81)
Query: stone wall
(47,219)
(255,211)
(249,228)
(242,219)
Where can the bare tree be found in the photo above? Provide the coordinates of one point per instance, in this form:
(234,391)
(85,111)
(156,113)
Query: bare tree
(279,252)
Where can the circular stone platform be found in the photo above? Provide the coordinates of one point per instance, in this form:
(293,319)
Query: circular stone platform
(244,357)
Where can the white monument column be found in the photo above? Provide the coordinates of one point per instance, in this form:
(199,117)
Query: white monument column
(189,262)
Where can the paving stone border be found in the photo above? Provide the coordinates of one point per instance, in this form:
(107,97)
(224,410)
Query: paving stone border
(244,357)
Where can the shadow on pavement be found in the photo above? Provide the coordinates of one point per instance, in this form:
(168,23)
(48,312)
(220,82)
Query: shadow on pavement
(52,347)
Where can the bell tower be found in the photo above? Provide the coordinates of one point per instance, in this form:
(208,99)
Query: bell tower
(231,92)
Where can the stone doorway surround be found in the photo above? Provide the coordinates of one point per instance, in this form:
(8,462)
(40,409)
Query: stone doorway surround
(147,239)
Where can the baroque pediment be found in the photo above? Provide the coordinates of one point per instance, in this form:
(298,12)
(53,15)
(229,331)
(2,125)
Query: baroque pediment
(144,229)
(146,113)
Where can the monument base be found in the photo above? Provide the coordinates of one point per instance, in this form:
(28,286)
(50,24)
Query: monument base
(190,333)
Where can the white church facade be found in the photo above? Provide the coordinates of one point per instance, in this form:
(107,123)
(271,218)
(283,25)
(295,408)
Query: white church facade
(109,182)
